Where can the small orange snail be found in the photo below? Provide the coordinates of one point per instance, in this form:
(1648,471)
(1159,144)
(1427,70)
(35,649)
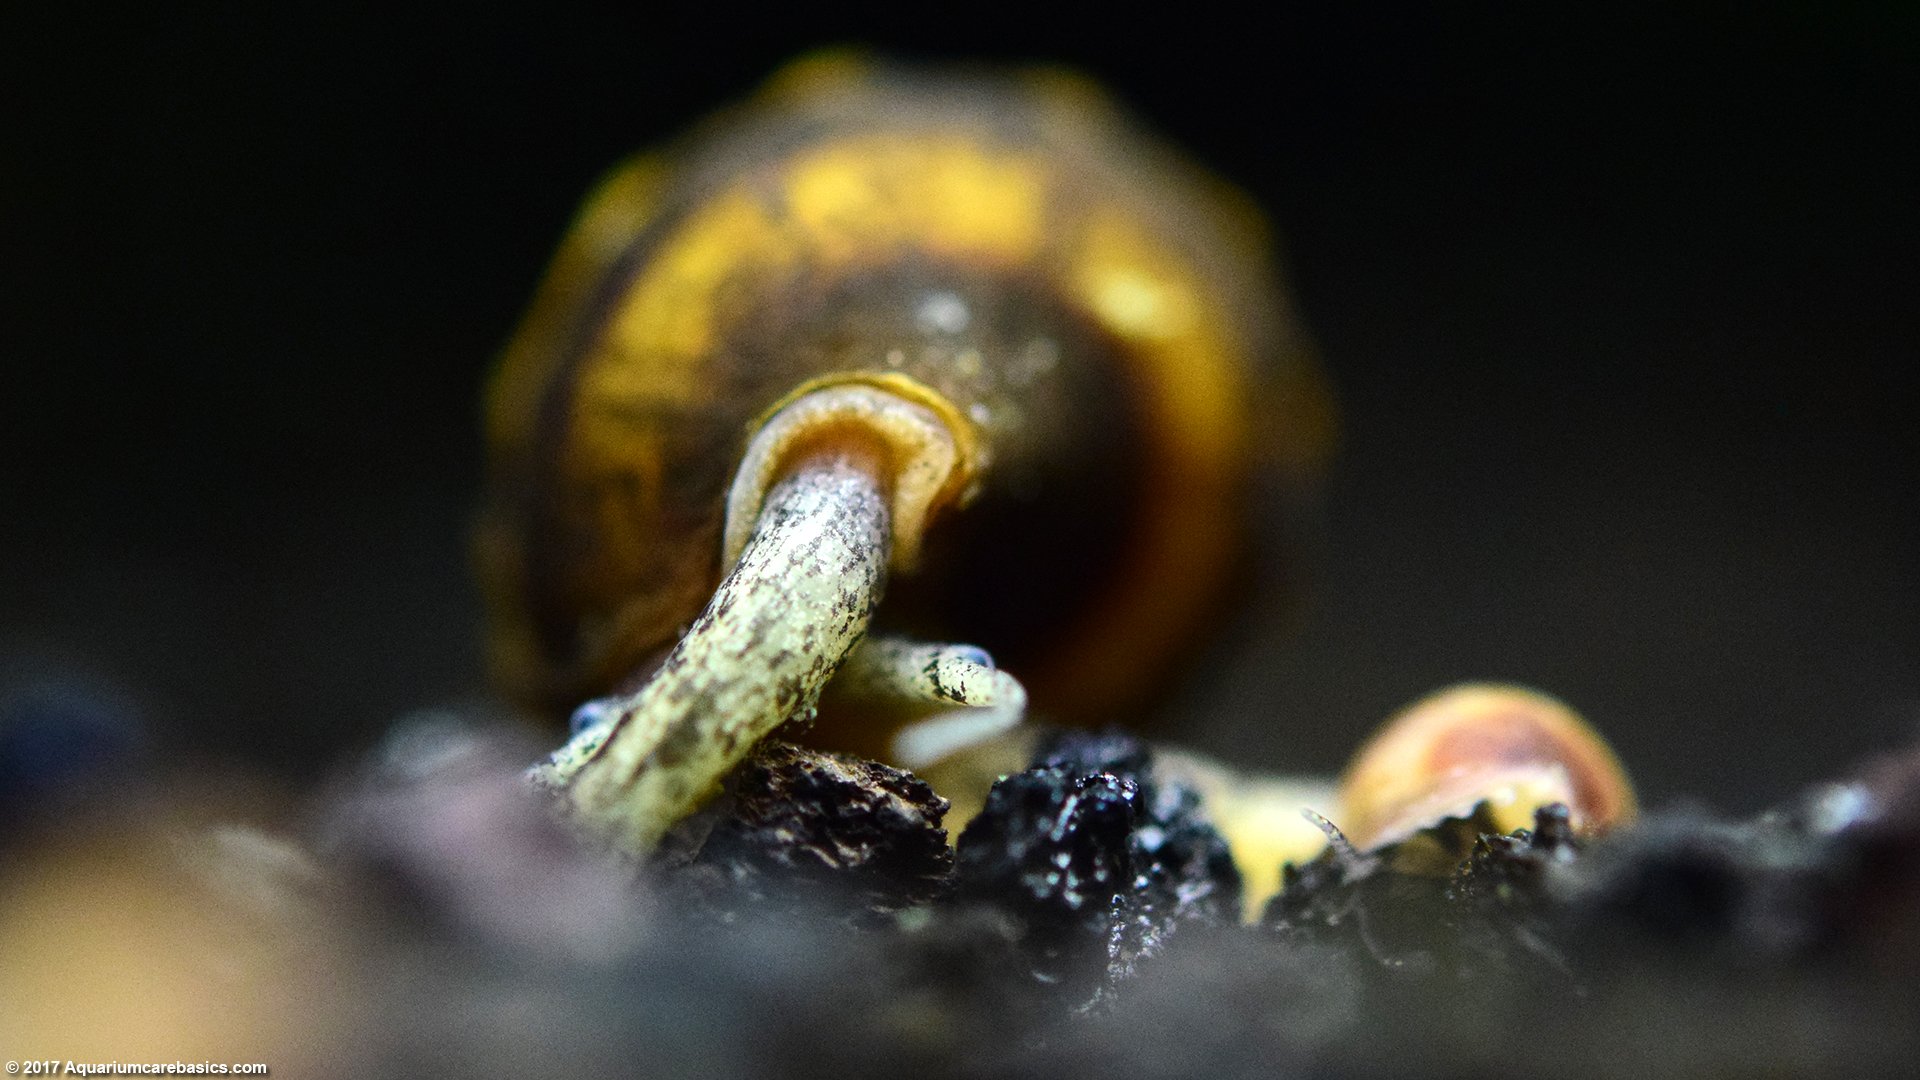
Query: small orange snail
(1512,749)
(968,339)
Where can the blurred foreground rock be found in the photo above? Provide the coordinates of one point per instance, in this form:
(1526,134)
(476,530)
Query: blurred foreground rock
(426,914)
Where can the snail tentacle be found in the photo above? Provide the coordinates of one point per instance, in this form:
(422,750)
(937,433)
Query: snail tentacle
(973,700)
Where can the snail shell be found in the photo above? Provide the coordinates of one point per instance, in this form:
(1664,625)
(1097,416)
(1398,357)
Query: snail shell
(1096,317)
(1512,749)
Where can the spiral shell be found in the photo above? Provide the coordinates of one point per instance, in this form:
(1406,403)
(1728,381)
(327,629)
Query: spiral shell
(1095,318)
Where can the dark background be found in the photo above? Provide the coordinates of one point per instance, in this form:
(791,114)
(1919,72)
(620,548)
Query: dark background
(1620,310)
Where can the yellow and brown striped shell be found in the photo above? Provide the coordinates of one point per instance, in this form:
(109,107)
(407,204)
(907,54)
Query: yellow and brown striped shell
(1095,315)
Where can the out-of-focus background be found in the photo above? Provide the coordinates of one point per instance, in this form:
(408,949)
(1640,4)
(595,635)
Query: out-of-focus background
(1620,310)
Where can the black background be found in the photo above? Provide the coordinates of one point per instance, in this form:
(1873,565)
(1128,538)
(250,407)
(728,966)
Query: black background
(1620,310)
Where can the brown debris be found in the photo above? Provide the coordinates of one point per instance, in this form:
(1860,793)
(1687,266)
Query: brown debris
(801,825)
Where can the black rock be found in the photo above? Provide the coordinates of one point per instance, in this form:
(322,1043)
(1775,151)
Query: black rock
(1099,860)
